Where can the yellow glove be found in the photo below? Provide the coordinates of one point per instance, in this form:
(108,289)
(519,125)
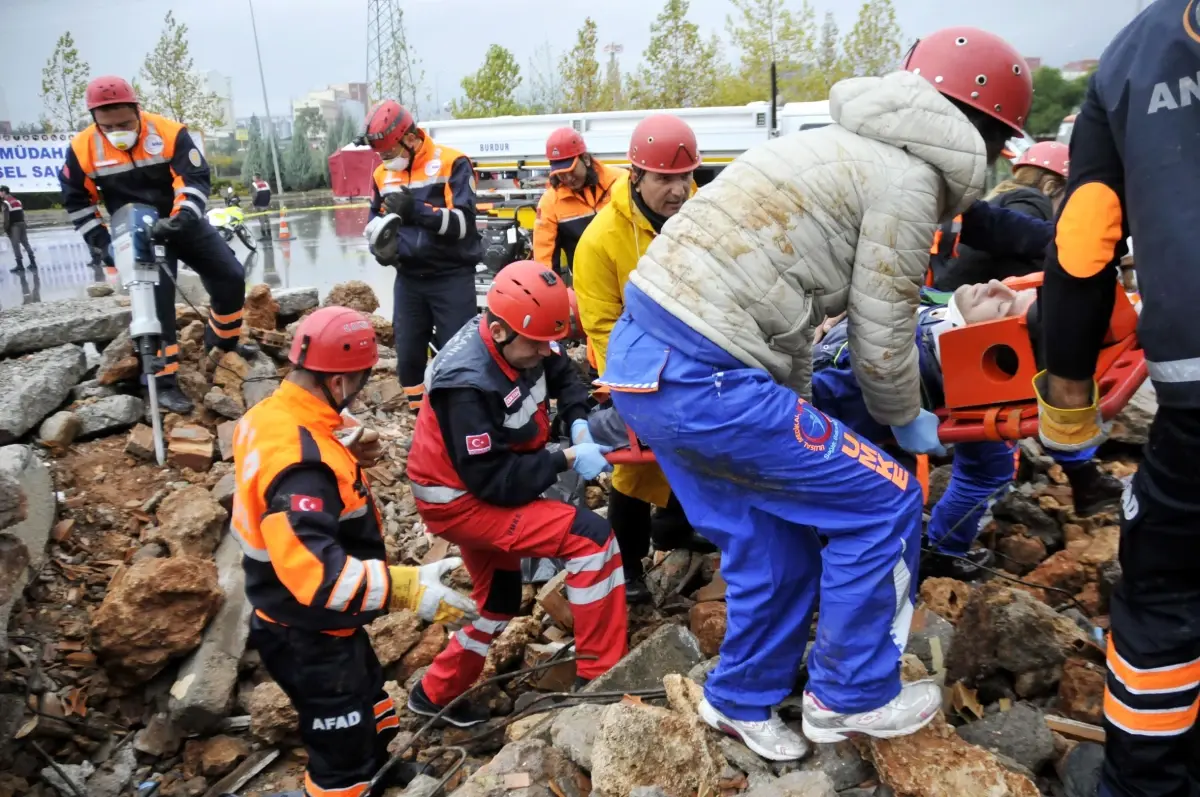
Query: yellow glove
(421,590)
(1069,430)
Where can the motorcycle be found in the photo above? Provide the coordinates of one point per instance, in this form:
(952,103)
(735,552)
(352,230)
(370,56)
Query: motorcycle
(230,221)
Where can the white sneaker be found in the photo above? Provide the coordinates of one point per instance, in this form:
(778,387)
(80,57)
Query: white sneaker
(907,713)
(769,738)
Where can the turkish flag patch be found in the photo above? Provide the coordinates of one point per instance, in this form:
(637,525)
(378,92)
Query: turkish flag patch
(479,443)
(307,503)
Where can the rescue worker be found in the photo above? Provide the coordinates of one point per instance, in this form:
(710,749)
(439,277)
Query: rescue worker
(130,155)
(423,224)
(580,185)
(479,464)
(1130,171)
(982,471)
(314,557)
(710,364)
(14,227)
(261,200)
(1035,189)
(663,154)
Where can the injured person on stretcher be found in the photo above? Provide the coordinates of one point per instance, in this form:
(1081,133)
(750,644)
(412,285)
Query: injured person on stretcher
(982,471)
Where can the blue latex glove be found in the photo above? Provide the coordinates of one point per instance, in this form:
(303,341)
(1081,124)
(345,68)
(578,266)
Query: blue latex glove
(590,461)
(580,433)
(920,435)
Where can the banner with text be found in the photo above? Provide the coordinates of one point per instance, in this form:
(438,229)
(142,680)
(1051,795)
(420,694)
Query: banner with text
(30,163)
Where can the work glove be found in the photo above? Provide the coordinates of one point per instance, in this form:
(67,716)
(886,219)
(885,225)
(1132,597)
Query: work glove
(920,435)
(589,460)
(401,203)
(170,227)
(1069,430)
(580,433)
(420,589)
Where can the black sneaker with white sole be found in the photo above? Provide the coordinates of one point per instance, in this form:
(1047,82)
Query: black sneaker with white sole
(462,715)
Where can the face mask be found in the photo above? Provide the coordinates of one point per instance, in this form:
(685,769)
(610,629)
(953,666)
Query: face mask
(396,164)
(122,139)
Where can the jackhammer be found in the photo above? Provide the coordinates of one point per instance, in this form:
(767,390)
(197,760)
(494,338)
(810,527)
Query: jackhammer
(138,258)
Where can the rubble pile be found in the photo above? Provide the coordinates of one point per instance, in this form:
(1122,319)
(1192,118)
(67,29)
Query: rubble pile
(123,649)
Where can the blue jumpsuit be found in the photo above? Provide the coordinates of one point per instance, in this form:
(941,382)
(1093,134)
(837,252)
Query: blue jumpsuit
(981,472)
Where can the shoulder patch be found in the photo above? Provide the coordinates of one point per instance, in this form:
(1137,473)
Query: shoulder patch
(307,503)
(194,157)
(479,443)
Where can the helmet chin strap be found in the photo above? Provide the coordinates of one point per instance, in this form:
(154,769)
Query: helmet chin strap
(339,407)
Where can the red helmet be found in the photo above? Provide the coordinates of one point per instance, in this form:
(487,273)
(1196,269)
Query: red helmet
(532,300)
(1048,155)
(562,148)
(576,332)
(109,90)
(335,340)
(665,144)
(387,123)
(977,68)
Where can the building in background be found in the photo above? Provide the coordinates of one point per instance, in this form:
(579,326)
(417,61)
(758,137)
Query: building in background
(1034,62)
(334,101)
(1078,69)
(221,85)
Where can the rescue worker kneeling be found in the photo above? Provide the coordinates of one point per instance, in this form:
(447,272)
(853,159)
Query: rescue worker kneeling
(315,562)
(981,471)
(479,465)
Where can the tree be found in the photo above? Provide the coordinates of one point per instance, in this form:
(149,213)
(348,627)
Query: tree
(545,83)
(767,31)
(491,91)
(828,66)
(582,87)
(681,69)
(33,128)
(612,91)
(402,76)
(302,169)
(1053,99)
(258,154)
(873,46)
(174,89)
(64,86)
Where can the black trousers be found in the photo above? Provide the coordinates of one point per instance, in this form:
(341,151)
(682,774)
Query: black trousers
(634,524)
(202,249)
(425,310)
(1153,679)
(336,686)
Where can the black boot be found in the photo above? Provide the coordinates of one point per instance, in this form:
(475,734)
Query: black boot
(636,592)
(19,267)
(670,530)
(1094,490)
(172,399)
(463,715)
(936,565)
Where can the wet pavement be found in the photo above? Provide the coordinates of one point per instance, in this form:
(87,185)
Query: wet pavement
(326,247)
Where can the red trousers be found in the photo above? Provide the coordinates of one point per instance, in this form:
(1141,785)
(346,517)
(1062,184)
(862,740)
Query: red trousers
(493,540)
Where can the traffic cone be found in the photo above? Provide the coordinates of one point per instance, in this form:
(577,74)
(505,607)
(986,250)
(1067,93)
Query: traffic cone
(284,234)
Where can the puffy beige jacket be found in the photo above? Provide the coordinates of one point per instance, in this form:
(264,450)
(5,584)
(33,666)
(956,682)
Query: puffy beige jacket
(817,222)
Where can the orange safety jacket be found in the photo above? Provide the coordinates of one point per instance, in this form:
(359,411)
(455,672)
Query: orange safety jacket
(563,215)
(164,169)
(304,515)
(944,249)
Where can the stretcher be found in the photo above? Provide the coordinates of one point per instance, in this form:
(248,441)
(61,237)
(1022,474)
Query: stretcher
(988,373)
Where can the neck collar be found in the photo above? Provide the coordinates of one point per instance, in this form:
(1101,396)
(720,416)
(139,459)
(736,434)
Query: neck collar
(497,357)
(310,411)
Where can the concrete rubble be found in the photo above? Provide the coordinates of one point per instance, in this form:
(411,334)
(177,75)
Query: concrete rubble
(123,593)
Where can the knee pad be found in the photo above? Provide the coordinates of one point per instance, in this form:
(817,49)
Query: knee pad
(591,526)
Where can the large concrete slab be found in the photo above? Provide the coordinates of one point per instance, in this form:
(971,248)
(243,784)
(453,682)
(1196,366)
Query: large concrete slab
(23,544)
(32,387)
(43,325)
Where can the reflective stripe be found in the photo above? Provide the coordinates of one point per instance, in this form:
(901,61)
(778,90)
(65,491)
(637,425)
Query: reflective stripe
(353,513)
(462,223)
(435,493)
(383,707)
(377,586)
(490,626)
(595,562)
(473,645)
(108,171)
(529,405)
(445,221)
(1187,370)
(347,584)
(565,219)
(257,554)
(903,614)
(91,210)
(187,189)
(89,225)
(187,203)
(581,596)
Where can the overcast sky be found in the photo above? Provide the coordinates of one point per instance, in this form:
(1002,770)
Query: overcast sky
(307,44)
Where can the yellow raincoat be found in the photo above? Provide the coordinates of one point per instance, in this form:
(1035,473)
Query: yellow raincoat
(606,255)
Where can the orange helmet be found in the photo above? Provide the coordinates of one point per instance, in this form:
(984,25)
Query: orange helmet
(335,340)
(532,300)
(109,90)
(562,148)
(1048,155)
(976,68)
(665,144)
(387,124)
